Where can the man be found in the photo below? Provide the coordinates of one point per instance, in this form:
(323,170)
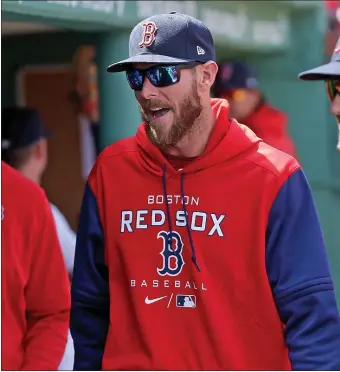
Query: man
(330,73)
(24,147)
(195,205)
(237,83)
(35,298)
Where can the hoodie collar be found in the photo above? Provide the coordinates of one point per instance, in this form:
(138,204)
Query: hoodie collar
(227,140)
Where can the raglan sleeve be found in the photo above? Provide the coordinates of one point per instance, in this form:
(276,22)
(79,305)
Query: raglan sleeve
(47,293)
(299,275)
(90,289)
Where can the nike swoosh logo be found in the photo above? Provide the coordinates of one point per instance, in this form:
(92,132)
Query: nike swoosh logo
(148,301)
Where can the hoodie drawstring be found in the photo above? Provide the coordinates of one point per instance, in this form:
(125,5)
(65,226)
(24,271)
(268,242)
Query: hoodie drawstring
(193,258)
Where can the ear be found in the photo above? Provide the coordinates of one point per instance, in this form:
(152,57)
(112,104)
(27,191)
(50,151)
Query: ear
(208,74)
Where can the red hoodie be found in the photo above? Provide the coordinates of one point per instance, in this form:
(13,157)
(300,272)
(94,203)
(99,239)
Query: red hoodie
(208,283)
(270,125)
(35,289)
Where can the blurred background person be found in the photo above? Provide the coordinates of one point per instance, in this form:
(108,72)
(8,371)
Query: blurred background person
(330,73)
(237,83)
(24,147)
(35,291)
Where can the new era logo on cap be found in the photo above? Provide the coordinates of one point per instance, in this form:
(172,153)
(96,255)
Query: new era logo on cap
(200,51)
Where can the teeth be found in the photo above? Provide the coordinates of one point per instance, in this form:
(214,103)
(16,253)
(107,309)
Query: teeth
(156,109)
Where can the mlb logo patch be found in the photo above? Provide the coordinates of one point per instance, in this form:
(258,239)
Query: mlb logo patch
(186,301)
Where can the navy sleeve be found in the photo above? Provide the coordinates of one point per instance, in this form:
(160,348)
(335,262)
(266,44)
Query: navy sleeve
(299,275)
(90,290)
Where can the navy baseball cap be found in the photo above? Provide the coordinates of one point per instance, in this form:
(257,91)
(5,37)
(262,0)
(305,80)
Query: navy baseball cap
(329,71)
(21,127)
(172,38)
(235,75)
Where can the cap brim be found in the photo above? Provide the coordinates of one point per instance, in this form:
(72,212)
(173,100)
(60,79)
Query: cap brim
(145,58)
(325,72)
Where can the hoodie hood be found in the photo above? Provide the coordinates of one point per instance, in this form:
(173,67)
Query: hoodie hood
(227,140)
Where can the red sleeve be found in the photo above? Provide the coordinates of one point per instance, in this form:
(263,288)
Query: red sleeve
(47,295)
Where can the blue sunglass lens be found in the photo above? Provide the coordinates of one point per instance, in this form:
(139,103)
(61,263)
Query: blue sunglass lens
(163,76)
(135,79)
(159,76)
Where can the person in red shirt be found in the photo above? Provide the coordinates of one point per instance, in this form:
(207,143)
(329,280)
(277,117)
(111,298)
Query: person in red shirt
(237,83)
(35,298)
(199,246)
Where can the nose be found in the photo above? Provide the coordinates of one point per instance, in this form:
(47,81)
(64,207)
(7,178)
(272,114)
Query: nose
(148,91)
(335,107)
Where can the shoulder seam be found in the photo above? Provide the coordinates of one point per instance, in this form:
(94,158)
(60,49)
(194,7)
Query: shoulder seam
(297,167)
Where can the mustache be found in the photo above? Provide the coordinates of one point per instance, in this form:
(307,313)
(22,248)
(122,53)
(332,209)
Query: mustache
(152,104)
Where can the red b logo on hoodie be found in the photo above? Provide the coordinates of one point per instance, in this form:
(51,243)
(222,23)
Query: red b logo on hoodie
(148,37)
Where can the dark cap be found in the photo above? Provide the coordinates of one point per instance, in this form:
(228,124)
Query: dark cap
(168,39)
(21,127)
(235,75)
(328,71)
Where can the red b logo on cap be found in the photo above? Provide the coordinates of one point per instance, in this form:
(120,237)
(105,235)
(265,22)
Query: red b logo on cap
(148,37)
